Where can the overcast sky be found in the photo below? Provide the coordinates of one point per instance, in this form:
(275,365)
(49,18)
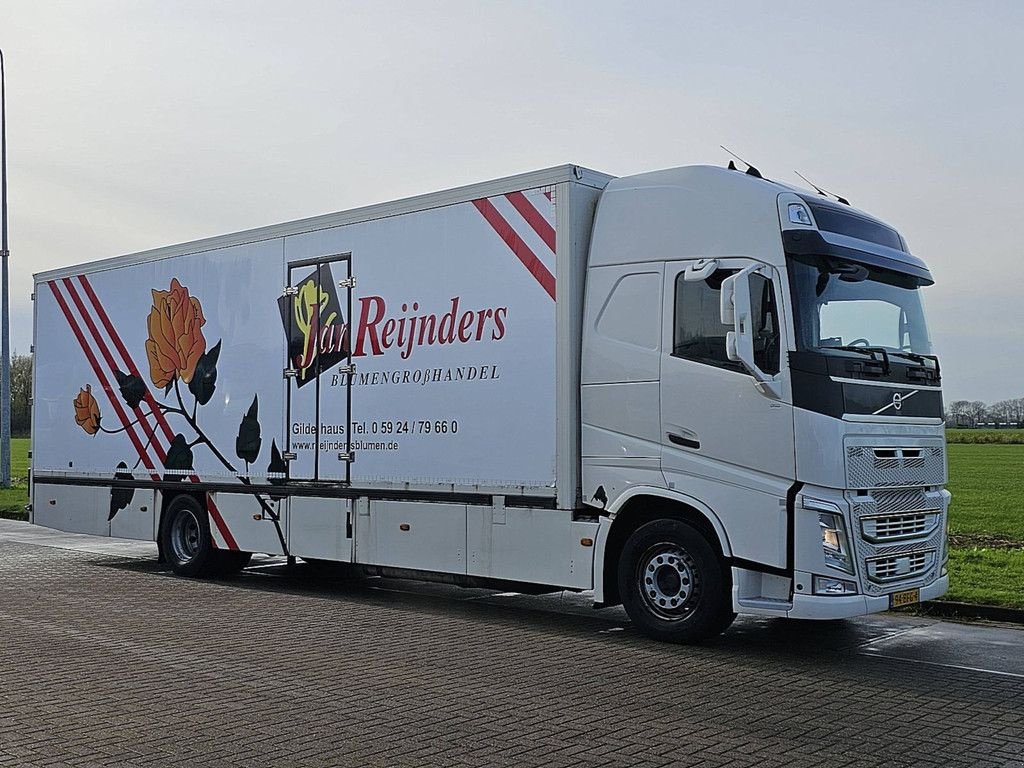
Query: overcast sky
(138,124)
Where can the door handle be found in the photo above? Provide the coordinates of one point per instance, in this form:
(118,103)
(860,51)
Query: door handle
(686,442)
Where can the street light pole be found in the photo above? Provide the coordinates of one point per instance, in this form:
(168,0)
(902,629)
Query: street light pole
(5,347)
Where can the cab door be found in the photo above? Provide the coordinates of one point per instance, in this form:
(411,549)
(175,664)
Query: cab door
(725,442)
(316,309)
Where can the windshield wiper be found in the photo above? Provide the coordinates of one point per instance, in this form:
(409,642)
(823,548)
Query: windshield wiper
(870,351)
(922,369)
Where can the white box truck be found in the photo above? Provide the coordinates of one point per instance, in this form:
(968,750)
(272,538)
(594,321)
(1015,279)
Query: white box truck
(695,392)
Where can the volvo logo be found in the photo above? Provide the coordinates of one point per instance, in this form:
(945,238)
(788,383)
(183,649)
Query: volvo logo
(897,401)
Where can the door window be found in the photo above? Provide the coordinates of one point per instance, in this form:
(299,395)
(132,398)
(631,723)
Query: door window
(766,324)
(699,334)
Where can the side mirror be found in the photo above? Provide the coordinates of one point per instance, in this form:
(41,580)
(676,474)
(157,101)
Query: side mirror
(736,310)
(726,307)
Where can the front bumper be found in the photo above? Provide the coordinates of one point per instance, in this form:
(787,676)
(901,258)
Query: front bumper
(835,607)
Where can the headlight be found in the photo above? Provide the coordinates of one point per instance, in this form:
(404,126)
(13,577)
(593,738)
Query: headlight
(834,544)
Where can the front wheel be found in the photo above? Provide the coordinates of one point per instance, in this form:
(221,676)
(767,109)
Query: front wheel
(673,584)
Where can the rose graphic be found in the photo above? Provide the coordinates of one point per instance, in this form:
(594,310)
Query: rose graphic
(176,340)
(87,411)
(176,349)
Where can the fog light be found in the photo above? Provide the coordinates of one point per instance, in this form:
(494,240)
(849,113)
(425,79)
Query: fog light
(826,585)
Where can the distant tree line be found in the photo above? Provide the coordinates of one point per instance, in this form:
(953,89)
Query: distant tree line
(21,395)
(974,413)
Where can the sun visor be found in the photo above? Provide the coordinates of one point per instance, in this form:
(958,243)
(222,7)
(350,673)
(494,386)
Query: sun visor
(815,243)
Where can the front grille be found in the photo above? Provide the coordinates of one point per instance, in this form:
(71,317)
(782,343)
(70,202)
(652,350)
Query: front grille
(900,566)
(899,500)
(897,533)
(869,466)
(894,527)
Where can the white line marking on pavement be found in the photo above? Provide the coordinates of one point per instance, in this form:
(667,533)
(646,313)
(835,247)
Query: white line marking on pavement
(878,655)
(888,637)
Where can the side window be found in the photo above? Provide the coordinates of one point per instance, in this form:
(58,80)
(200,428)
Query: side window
(766,324)
(698,333)
(627,316)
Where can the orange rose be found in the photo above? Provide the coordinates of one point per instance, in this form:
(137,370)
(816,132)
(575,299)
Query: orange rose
(87,411)
(176,339)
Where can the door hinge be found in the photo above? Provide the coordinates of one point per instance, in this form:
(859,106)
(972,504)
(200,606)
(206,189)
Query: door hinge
(289,456)
(290,373)
(348,282)
(290,290)
(350,368)
(348,456)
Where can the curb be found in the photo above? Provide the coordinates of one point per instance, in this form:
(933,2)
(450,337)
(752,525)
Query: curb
(954,610)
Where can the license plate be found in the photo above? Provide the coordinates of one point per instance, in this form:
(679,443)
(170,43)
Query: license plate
(904,598)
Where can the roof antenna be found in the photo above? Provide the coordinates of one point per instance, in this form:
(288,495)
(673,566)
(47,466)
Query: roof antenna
(751,170)
(822,192)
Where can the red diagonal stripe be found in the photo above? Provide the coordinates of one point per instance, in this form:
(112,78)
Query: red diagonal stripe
(154,407)
(533,218)
(114,402)
(535,266)
(105,352)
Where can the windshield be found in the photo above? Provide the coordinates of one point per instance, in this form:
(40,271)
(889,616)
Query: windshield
(844,304)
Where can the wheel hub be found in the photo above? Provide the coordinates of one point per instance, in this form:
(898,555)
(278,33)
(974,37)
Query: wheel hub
(667,581)
(185,537)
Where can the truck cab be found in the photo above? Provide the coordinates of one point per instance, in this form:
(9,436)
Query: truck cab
(761,408)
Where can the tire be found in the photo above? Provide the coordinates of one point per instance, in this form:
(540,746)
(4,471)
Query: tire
(673,584)
(185,538)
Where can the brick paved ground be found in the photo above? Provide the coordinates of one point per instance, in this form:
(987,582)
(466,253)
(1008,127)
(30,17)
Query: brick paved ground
(109,661)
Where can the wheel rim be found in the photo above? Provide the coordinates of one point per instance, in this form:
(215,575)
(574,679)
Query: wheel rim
(668,579)
(186,536)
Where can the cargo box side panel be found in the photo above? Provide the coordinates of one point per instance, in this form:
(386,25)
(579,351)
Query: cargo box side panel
(149,370)
(453,326)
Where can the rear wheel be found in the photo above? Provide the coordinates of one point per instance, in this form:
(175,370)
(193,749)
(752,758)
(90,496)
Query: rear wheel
(672,583)
(187,545)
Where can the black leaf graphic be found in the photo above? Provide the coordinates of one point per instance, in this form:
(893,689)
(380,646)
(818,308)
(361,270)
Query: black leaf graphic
(277,464)
(204,380)
(248,442)
(133,390)
(120,497)
(179,456)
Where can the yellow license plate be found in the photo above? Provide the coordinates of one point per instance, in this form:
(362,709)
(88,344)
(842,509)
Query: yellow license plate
(904,598)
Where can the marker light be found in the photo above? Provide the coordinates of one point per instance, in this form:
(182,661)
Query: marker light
(798,214)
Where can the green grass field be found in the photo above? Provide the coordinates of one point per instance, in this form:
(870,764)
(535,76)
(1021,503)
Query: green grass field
(986,522)
(986,518)
(987,482)
(14,499)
